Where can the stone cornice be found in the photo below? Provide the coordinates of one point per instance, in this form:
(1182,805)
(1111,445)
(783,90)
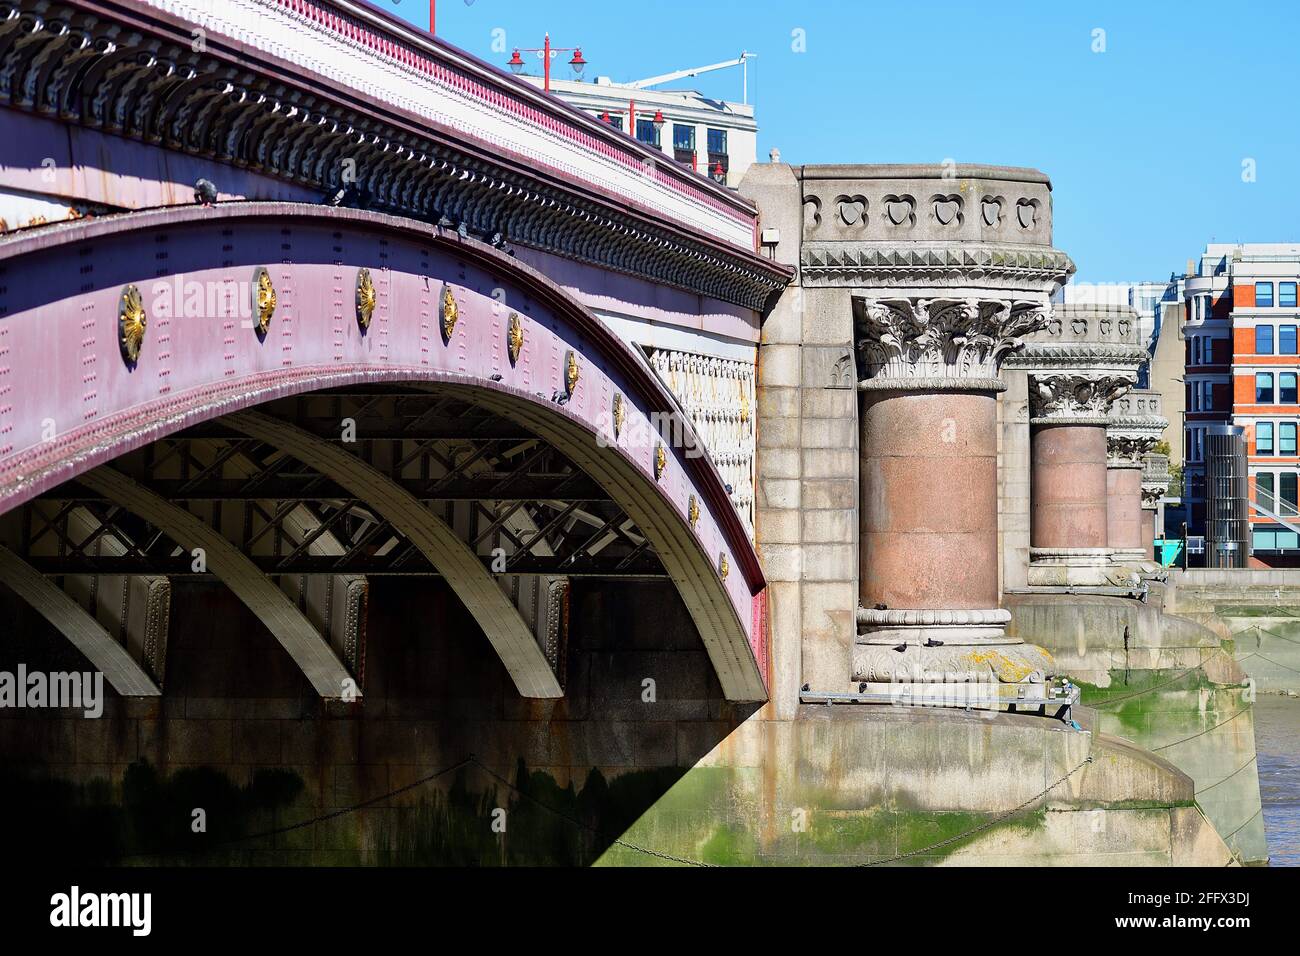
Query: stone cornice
(938,264)
(937,343)
(133,73)
(1137,424)
(1076,397)
(1080,355)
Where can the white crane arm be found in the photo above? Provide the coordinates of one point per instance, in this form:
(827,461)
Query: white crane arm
(682,74)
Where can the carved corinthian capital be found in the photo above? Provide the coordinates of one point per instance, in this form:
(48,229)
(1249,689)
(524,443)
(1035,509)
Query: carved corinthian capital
(1075,398)
(938,343)
(1155,479)
(1125,449)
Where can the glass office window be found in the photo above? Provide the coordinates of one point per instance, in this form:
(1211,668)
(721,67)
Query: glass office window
(683,136)
(1263,388)
(1264,438)
(1264,295)
(1263,340)
(1286,388)
(717,141)
(1286,295)
(1264,490)
(1286,438)
(1286,498)
(646,132)
(1286,340)
(1263,541)
(1287,540)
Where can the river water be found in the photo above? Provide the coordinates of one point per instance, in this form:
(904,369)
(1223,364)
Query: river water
(1277,742)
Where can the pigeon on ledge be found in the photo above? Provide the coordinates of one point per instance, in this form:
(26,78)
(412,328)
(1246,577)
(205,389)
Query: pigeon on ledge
(205,192)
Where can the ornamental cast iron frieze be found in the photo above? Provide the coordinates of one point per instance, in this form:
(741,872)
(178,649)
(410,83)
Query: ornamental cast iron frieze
(141,80)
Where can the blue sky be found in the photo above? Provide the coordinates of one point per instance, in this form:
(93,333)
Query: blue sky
(1145,142)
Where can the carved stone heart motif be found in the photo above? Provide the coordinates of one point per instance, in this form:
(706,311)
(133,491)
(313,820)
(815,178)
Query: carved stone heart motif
(812,217)
(946,210)
(852,210)
(1027,213)
(898,209)
(992,211)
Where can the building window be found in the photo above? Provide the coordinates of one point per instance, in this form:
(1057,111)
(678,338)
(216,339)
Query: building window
(1286,340)
(646,132)
(719,161)
(1264,490)
(1196,350)
(1264,438)
(1263,340)
(684,144)
(1286,391)
(1264,295)
(1274,539)
(1286,439)
(1286,295)
(1263,388)
(1286,503)
(616,120)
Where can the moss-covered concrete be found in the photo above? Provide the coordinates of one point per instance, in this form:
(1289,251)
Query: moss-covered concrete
(1167,684)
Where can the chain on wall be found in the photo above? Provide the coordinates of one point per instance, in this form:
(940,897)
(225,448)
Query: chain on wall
(717,396)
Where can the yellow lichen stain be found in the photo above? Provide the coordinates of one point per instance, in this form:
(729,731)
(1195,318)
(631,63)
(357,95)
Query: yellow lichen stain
(1008,671)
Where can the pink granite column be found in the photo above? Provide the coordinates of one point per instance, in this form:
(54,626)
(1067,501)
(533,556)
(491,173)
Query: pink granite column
(929,518)
(930,604)
(1067,486)
(1149,532)
(1124,507)
(1130,439)
(1069,533)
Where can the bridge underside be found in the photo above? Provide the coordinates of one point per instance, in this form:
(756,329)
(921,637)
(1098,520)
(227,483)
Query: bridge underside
(511,496)
(214,418)
(528,515)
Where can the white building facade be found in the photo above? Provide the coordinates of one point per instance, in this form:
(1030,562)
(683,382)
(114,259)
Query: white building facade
(714,137)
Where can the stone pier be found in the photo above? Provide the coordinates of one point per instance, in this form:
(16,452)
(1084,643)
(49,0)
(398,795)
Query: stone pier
(878,379)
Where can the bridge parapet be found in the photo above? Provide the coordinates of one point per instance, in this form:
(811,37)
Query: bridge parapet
(339,99)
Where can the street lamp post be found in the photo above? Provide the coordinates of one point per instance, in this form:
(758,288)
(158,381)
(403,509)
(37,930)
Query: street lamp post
(657,118)
(545,54)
